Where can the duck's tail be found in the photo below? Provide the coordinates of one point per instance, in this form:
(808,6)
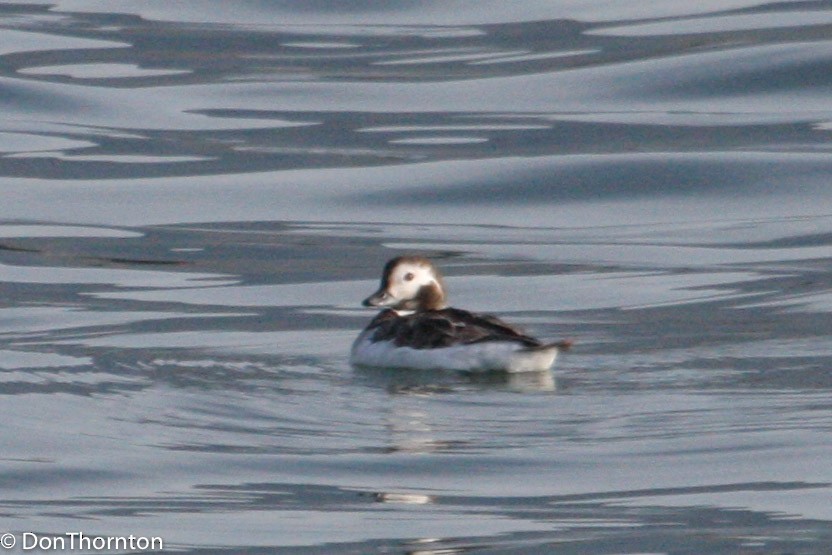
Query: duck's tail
(563,345)
(537,358)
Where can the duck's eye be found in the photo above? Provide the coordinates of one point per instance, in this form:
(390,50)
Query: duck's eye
(409,276)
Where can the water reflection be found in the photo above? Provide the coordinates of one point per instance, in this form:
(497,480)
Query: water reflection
(411,418)
(405,381)
(522,382)
(404,498)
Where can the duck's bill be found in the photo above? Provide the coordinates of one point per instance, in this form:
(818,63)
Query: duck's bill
(379,298)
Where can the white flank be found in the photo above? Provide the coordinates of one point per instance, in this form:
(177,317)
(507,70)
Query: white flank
(473,357)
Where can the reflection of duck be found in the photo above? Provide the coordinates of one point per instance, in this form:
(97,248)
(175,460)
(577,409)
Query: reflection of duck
(419,330)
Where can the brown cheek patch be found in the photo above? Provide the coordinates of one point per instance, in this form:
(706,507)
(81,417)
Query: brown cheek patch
(429,297)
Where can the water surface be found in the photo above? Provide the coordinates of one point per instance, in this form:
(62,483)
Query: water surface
(197,196)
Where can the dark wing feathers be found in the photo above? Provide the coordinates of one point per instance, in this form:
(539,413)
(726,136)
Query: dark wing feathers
(442,328)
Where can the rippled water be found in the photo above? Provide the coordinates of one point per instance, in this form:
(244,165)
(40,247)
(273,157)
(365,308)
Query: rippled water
(196,196)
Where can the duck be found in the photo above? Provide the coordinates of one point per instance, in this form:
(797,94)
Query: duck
(417,329)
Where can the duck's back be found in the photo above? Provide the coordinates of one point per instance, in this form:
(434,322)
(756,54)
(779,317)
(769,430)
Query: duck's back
(434,329)
(449,338)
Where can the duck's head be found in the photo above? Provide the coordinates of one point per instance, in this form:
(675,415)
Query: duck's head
(409,284)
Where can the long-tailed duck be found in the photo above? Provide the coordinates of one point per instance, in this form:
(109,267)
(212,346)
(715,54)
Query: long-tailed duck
(418,330)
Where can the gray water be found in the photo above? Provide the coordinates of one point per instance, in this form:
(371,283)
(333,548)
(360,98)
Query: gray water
(197,195)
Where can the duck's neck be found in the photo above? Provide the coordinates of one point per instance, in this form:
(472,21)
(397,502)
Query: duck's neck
(430,297)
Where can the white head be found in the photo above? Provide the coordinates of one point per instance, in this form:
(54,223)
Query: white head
(409,283)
